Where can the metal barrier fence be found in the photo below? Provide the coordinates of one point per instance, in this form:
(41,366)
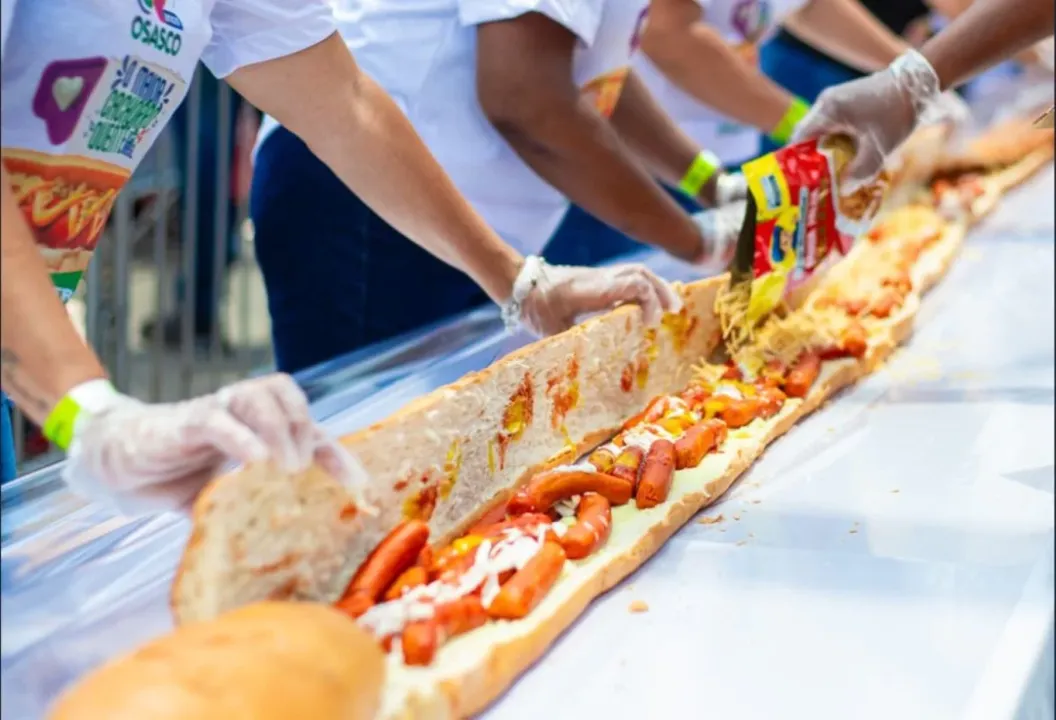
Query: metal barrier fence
(173,301)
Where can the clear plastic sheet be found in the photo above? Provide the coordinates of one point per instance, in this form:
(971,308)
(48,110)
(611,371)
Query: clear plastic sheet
(890,557)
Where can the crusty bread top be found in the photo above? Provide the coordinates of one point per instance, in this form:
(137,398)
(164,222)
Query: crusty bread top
(269,661)
(445,457)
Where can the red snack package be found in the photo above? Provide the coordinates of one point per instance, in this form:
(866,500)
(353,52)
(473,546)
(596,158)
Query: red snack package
(801,218)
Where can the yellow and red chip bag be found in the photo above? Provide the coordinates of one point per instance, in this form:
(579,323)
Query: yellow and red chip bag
(801,218)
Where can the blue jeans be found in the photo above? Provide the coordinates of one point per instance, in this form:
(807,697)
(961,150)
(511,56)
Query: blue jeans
(8,466)
(799,72)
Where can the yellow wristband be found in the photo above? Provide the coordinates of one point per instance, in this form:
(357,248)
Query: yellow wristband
(796,112)
(89,397)
(703,168)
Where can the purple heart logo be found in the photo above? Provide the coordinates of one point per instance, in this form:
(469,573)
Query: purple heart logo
(63,92)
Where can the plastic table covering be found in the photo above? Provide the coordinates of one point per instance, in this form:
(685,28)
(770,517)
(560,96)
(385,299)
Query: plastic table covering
(891,557)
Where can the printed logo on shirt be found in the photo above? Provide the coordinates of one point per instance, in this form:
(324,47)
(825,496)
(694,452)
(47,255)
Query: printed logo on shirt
(157,27)
(139,95)
(63,92)
(751,18)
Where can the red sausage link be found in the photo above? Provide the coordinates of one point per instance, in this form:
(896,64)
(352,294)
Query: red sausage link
(658,469)
(521,593)
(412,577)
(547,488)
(802,375)
(698,441)
(591,529)
(394,554)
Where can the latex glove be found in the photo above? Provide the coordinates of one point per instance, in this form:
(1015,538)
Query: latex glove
(947,108)
(553,297)
(878,112)
(145,458)
(720,228)
(730,187)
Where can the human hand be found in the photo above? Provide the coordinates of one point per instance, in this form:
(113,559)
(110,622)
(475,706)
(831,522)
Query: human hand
(146,458)
(555,296)
(878,112)
(720,228)
(723,189)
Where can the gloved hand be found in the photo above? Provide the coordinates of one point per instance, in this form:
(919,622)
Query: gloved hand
(730,187)
(552,297)
(720,228)
(146,458)
(878,112)
(948,108)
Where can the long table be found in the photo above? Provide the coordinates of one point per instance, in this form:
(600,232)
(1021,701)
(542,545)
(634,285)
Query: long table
(891,557)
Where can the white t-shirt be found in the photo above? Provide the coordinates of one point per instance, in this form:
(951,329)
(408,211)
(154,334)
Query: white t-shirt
(89,84)
(423,53)
(746,25)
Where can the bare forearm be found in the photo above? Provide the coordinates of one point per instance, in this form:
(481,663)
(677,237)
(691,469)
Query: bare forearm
(654,138)
(41,355)
(848,32)
(702,64)
(985,34)
(354,127)
(580,153)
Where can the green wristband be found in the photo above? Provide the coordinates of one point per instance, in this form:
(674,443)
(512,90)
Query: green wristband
(703,168)
(89,397)
(796,112)
(58,428)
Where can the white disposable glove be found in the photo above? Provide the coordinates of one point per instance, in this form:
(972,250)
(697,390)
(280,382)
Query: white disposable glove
(146,458)
(730,187)
(948,108)
(720,228)
(878,112)
(549,299)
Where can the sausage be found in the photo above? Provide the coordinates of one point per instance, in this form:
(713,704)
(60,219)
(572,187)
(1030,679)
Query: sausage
(591,529)
(771,401)
(460,616)
(394,554)
(653,412)
(420,641)
(901,282)
(732,372)
(802,374)
(739,413)
(528,522)
(627,464)
(853,306)
(412,577)
(698,441)
(694,396)
(854,340)
(547,488)
(521,593)
(602,459)
(658,470)
(887,303)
